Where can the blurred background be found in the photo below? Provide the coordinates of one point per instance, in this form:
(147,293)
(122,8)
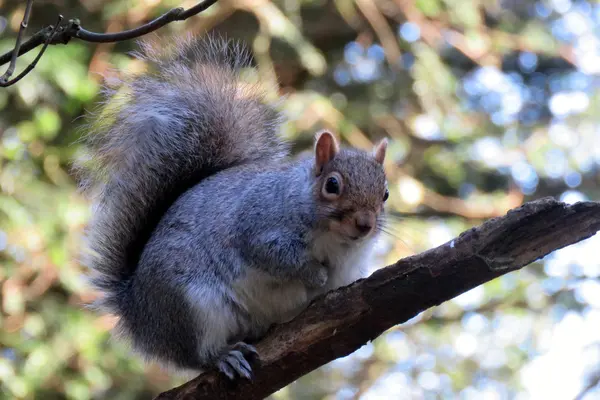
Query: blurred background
(487,103)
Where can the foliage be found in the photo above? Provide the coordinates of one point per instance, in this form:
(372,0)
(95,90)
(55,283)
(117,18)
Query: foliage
(487,104)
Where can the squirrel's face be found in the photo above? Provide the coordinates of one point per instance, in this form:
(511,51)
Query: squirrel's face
(351,188)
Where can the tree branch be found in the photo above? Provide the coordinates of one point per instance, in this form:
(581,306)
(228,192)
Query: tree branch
(593,382)
(22,28)
(340,322)
(63,34)
(4,82)
(175,14)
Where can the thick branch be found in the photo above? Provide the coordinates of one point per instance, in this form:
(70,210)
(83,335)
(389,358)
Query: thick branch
(342,321)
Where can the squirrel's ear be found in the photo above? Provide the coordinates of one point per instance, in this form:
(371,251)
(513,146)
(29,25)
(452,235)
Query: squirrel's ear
(326,149)
(379,150)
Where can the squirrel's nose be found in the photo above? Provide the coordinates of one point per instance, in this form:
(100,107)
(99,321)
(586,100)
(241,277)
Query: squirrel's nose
(364,222)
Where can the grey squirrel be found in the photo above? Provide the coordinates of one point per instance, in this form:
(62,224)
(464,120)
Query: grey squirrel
(205,232)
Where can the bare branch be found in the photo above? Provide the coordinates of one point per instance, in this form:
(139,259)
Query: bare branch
(35,61)
(22,29)
(382,29)
(63,34)
(340,322)
(175,14)
(593,382)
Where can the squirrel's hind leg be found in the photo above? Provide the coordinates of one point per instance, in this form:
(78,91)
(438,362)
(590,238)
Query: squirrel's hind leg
(221,324)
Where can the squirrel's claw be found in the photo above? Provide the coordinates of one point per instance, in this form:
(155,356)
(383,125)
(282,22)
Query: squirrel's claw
(246,349)
(234,363)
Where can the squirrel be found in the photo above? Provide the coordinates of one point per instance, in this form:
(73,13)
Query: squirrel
(205,231)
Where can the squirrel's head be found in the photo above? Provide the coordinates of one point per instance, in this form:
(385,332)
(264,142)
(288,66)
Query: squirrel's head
(351,188)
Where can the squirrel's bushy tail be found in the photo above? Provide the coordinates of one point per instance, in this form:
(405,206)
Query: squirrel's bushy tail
(158,134)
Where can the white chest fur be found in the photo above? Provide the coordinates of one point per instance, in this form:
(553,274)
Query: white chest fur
(268,300)
(347,262)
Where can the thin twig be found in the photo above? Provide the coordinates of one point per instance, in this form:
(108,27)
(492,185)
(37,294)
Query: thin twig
(51,35)
(22,29)
(382,29)
(31,66)
(594,381)
(175,14)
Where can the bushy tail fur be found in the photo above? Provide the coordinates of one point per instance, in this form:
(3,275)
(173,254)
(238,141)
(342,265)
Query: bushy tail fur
(158,134)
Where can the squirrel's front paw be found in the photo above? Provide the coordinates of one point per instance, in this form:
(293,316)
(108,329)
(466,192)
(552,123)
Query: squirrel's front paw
(316,276)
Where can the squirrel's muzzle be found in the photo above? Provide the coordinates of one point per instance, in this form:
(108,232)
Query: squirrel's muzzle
(364,222)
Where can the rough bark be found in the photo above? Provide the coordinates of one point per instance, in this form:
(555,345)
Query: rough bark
(342,321)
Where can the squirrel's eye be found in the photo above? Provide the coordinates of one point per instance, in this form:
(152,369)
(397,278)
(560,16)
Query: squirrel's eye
(386,195)
(332,186)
